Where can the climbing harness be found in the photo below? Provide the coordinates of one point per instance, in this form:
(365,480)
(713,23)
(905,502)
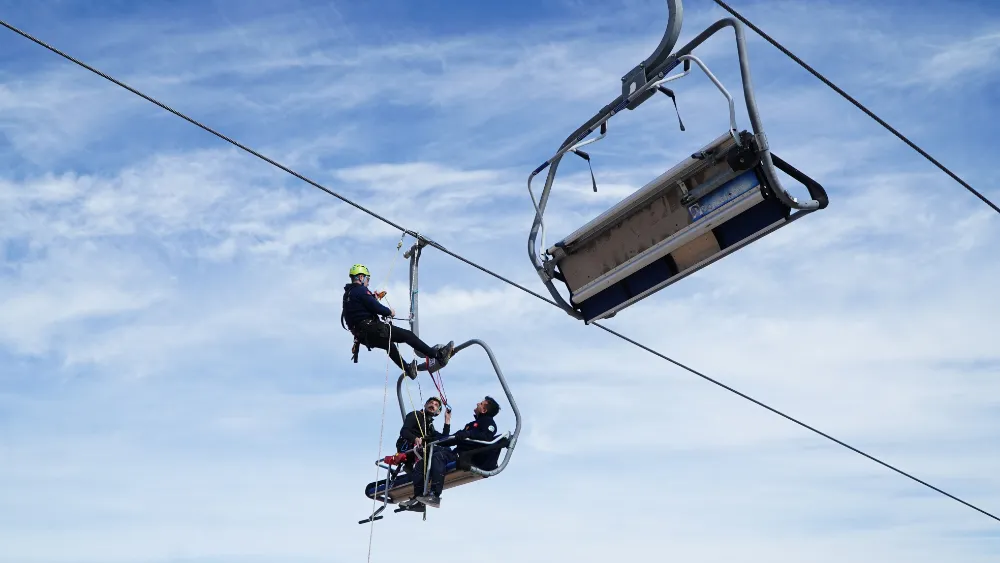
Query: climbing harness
(397,487)
(364,330)
(713,203)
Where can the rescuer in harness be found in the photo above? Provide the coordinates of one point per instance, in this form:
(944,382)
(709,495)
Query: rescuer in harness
(361,316)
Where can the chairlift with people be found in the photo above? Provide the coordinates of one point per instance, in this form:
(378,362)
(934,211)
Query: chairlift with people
(398,484)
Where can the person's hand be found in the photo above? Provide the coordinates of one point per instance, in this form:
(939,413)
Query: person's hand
(447,416)
(392,312)
(418,442)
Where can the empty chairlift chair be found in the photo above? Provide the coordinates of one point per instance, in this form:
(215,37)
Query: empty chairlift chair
(721,198)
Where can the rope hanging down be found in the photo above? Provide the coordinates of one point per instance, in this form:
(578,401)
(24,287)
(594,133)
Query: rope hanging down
(385,392)
(466,261)
(857,104)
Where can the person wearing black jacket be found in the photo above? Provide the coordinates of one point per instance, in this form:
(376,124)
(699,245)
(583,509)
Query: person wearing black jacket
(361,314)
(418,427)
(482,428)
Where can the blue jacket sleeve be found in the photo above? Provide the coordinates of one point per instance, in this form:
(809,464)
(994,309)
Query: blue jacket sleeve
(481,429)
(372,304)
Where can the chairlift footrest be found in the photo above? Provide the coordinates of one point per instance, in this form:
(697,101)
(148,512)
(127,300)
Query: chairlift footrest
(370,519)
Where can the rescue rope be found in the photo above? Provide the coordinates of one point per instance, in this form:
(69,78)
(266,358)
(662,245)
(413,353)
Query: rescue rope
(422,426)
(438,382)
(385,395)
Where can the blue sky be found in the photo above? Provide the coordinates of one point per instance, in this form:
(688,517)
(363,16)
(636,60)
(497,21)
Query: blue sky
(175,385)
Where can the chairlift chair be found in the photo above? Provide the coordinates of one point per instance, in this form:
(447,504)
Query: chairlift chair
(398,485)
(713,203)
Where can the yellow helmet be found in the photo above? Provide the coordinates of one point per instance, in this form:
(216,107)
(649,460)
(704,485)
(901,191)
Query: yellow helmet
(359,269)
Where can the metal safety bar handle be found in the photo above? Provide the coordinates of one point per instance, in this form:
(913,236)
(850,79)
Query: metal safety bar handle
(513,406)
(729,98)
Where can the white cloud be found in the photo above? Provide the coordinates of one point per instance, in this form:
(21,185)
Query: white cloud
(958,62)
(38,117)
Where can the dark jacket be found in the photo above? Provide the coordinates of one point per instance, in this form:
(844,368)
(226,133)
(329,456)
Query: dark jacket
(483,428)
(360,305)
(411,430)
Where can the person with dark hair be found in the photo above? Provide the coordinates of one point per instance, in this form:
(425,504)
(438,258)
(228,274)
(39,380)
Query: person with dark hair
(418,427)
(482,428)
(361,316)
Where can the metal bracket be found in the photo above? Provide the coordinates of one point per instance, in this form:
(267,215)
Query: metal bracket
(634,81)
(637,78)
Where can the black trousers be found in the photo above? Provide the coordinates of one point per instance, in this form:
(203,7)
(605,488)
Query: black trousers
(377,335)
(439,463)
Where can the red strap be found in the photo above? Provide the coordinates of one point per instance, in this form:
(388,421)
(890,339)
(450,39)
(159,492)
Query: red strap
(395,459)
(439,386)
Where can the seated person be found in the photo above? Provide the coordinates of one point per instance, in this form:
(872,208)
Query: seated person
(418,428)
(482,428)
